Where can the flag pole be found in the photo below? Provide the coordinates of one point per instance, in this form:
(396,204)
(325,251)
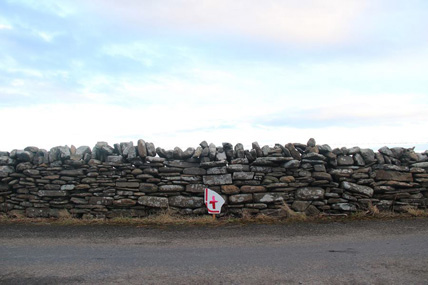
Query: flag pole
(213,217)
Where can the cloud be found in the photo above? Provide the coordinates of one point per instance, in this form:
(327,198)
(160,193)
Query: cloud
(5,27)
(301,22)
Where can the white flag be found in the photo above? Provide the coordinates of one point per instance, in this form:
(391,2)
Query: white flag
(213,201)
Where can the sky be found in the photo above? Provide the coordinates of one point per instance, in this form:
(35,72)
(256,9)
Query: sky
(175,73)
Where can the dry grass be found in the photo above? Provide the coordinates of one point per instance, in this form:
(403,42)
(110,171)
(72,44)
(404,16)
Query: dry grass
(169,218)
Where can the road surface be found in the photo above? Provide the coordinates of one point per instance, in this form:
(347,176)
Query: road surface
(356,252)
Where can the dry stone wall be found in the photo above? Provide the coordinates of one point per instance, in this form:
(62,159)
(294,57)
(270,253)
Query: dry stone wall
(138,180)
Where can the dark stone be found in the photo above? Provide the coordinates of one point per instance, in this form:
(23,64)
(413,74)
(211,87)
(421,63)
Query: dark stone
(186,202)
(155,202)
(310,193)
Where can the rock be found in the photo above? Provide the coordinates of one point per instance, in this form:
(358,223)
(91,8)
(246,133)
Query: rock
(52,193)
(37,212)
(23,166)
(161,152)
(386,151)
(347,207)
(217,179)
(265,150)
(256,147)
(368,155)
(204,144)
(72,172)
(212,151)
(393,175)
(6,170)
(287,179)
(268,197)
(322,176)
(240,198)
(181,164)
(421,164)
(195,188)
(312,211)
(252,189)
(352,187)
(229,189)
(155,202)
(5,160)
(194,171)
(171,188)
(221,156)
(186,202)
(243,175)
(177,153)
(293,151)
(124,202)
(239,150)
(313,156)
(105,201)
(345,160)
(198,152)
(188,153)
(142,148)
(148,187)
(125,184)
(151,150)
(115,158)
(359,160)
(311,142)
(24,156)
(325,148)
(67,187)
(155,159)
(217,170)
(310,193)
(82,150)
(300,206)
(292,164)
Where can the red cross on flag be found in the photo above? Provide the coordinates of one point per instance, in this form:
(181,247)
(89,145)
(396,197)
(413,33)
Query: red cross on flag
(213,201)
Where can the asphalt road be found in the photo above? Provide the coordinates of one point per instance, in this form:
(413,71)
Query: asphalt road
(358,252)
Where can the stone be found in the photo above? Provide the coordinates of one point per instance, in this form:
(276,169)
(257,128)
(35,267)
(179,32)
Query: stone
(181,164)
(269,197)
(115,158)
(68,187)
(177,153)
(198,152)
(23,166)
(230,189)
(151,150)
(52,193)
(24,156)
(300,206)
(243,175)
(79,201)
(360,189)
(252,189)
(82,150)
(312,211)
(141,148)
(212,151)
(287,179)
(293,151)
(313,156)
(238,168)
(195,188)
(188,153)
(368,155)
(124,202)
(194,171)
(128,184)
(346,207)
(345,160)
(171,188)
(217,179)
(72,172)
(354,150)
(322,176)
(292,164)
(359,160)
(148,187)
(311,142)
(221,156)
(106,201)
(37,212)
(386,151)
(186,202)
(240,198)
(393,175)
(239,150)
(310,193)
(155,202)
(6,170)
(421,164)
(217,170)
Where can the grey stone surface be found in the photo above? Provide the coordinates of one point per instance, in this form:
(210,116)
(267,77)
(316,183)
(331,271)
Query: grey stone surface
(217,179)
(310,193)
(352,187)
(155,202)
(186,202)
